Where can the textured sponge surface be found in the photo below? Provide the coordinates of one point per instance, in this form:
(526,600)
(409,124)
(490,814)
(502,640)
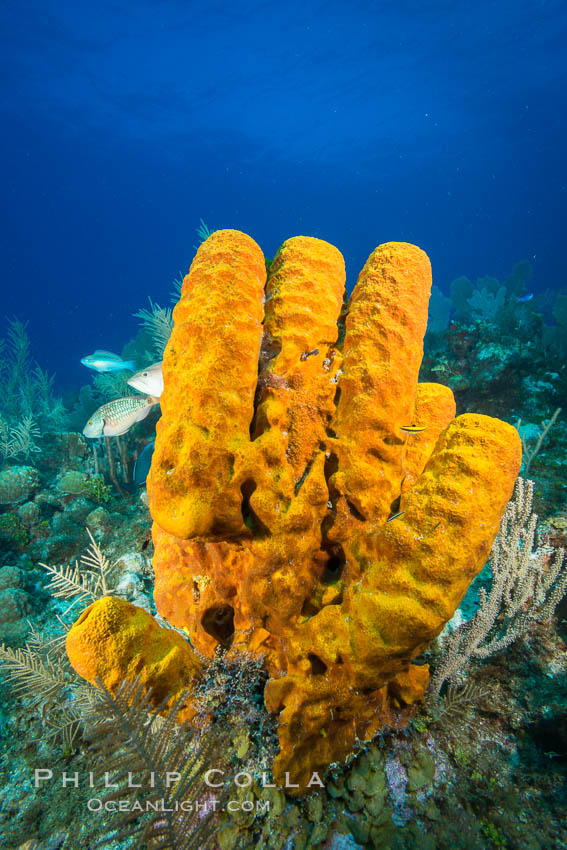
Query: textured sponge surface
(312,502)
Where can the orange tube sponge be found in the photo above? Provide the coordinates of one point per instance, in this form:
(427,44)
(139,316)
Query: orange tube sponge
(295,400)
(313,503)
(210,369)
(281,473)
(113,640)
(383,348)
(434,409)
(419,568)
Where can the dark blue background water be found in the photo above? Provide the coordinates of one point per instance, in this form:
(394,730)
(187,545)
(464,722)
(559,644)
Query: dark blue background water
(123,123)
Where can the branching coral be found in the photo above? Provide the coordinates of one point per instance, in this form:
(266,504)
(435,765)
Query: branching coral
(528,582)
(27,394)
(530,448)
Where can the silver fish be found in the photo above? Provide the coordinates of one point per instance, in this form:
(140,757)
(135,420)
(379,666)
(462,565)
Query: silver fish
(116,417)
(149,380)
(106,361)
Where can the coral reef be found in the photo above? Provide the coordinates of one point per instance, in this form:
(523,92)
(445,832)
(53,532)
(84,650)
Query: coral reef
(14,606)
(495,343)
(481,765)
(501,349)
(321,509)
(17,483)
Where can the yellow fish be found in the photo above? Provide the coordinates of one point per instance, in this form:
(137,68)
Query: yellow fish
(413,429)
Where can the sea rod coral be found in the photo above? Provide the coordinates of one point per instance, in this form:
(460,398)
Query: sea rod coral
(312,503)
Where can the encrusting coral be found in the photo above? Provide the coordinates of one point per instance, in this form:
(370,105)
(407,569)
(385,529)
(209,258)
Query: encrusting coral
(312,503)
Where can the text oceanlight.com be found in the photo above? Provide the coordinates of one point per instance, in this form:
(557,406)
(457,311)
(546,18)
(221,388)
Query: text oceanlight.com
(95,804)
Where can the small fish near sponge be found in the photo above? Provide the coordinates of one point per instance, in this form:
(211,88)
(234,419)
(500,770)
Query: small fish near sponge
(312,502)
(117,417)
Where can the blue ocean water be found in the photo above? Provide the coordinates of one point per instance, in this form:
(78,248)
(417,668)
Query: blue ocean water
(439,123)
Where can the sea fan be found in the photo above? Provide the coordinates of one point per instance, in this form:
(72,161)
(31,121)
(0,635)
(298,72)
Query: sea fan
(177,284)
(20,439)
(86,581)
(203,232)
(113,385)
(41,673)
(160,767)
(159,324)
